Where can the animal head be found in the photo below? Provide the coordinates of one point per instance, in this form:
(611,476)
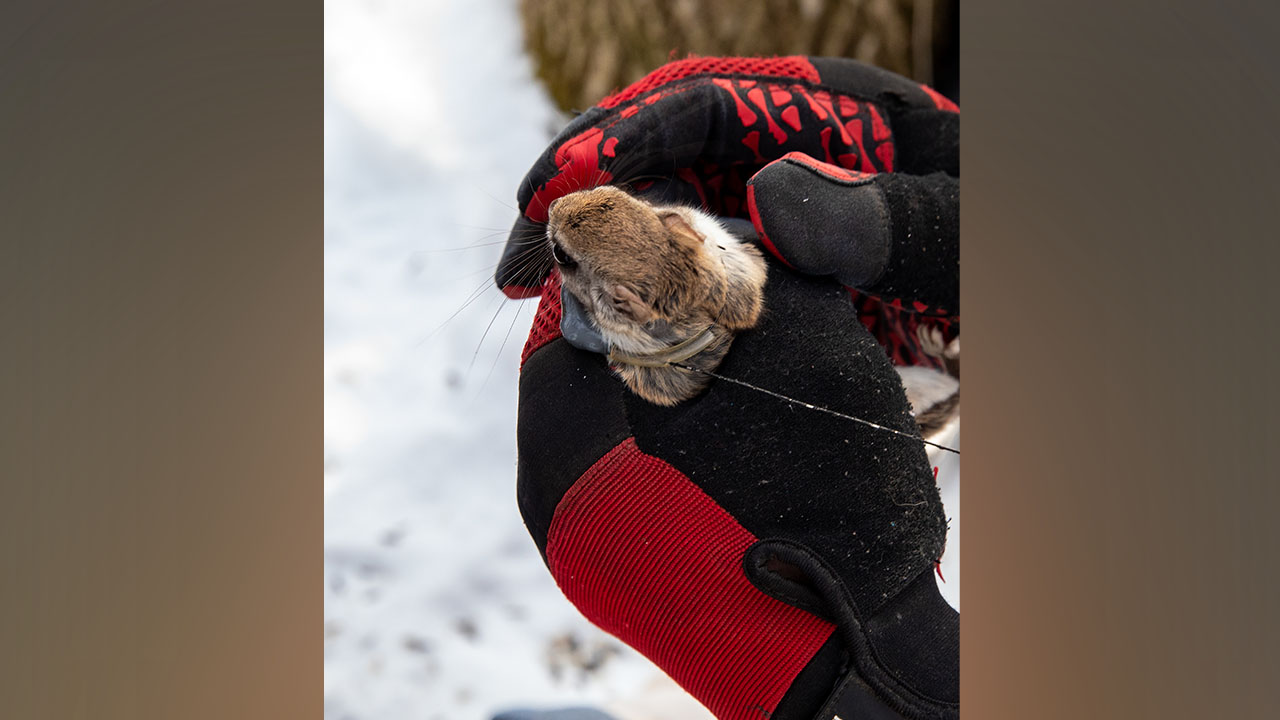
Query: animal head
(631,263)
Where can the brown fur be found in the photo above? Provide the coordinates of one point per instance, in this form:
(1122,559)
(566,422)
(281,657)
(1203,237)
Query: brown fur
(936,416)
(651,277)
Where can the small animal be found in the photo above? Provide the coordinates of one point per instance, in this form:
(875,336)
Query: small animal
(669,284)
(664,284)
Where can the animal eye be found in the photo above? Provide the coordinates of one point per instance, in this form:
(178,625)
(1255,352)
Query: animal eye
(562,258)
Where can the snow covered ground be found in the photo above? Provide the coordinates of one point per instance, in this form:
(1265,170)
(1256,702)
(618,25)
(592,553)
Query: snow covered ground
(437,604)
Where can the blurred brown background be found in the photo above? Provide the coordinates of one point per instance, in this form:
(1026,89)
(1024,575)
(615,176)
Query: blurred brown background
(585,49)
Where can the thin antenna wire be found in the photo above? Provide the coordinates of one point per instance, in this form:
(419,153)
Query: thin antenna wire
(814,407)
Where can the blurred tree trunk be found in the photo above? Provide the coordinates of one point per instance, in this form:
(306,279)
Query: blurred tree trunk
(585,49)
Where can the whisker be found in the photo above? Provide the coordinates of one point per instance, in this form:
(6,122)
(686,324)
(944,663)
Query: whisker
(475,295)
(498,356)
(515,259)
(533,195)
(480,344)
(532,270)
(529,254)
(491,197)
(477,246)
(478,227)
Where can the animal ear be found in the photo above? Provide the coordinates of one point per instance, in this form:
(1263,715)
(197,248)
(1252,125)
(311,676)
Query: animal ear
(628,303)
(681,230)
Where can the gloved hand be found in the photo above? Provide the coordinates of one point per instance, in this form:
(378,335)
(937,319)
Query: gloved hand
(772,559)
(694,131)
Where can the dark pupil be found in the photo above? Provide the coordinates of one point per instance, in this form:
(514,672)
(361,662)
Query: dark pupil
(562,258)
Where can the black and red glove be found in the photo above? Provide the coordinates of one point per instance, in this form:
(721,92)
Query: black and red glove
(773,559)
(694,131)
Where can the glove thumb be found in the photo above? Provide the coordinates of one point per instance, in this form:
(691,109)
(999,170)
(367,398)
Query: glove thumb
(822,219)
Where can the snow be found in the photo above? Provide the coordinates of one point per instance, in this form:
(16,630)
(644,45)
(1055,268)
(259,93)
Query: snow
(437,604)
(948,465)
(436,601)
